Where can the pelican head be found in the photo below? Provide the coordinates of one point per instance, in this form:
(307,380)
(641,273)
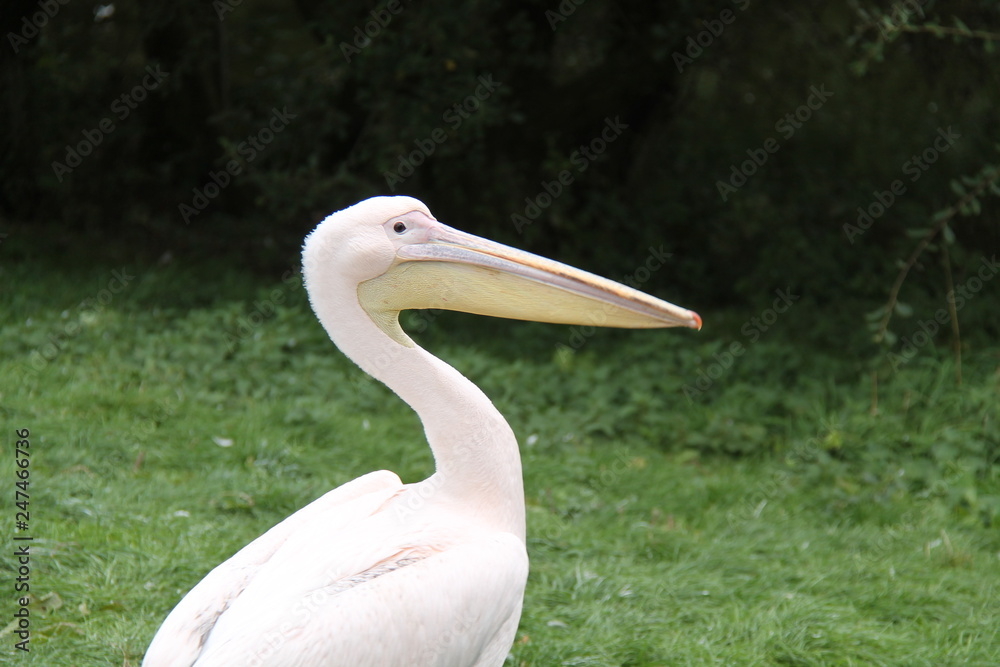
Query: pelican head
(400,257)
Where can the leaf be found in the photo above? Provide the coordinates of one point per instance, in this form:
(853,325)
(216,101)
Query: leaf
(876,314)
(949,235)
(976,208)
(903,309)
(917,233)
(49,602)
(957,187)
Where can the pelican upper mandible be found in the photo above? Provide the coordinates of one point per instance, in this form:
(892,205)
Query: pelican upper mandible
(377,572)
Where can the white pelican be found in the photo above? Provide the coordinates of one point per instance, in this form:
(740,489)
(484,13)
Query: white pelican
(376,572)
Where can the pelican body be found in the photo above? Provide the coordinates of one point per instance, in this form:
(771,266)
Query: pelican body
(378,573)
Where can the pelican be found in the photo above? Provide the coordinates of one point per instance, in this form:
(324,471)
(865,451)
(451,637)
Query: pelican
(377,572)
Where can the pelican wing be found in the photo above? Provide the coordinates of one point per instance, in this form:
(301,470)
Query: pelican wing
(181,638)
(454,607)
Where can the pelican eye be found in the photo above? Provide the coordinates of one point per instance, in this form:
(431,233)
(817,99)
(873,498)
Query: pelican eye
(399,228)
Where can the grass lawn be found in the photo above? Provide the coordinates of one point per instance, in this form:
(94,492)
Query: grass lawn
(768,518)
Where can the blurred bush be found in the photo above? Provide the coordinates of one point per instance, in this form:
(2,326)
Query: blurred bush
(692,93)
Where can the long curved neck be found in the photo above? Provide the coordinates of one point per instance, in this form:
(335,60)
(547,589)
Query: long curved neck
(478,465)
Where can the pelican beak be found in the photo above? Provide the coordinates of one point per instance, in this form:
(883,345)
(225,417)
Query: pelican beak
(451,270)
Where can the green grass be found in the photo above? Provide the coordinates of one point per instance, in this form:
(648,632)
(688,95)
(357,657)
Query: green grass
(768,520)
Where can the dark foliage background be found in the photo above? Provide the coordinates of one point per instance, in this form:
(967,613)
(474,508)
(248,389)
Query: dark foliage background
(698,85)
